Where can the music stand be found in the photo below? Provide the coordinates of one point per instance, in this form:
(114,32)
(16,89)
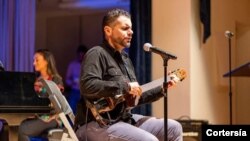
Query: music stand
(241,71)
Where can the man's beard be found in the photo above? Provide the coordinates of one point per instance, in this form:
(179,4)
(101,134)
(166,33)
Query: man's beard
(123,43)
(128,45)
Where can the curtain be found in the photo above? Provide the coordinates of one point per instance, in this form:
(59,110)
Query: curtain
(6,32)
(17,34)
(205,18)
(141,23)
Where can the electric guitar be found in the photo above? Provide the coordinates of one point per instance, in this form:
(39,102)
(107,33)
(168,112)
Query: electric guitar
(107,104)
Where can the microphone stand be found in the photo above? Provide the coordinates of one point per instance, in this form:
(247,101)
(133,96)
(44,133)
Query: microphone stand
(165,56)
(230,81)
(165,88)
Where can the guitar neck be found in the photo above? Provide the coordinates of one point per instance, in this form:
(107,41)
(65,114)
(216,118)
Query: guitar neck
(153,84)
(150,85)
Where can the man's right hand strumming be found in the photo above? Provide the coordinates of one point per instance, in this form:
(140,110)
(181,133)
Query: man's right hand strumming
(135,89)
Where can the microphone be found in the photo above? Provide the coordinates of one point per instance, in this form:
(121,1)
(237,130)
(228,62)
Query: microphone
(229,34)
(1,66)
(149,48)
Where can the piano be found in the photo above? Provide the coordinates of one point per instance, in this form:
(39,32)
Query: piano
(17,94)
(18,100)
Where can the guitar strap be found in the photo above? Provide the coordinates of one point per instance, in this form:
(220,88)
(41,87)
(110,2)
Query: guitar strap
(100,120)
(122,64)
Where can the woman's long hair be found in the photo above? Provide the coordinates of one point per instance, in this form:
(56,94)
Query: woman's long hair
(48,56)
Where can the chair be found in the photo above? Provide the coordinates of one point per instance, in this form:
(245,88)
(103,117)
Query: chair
(63,109)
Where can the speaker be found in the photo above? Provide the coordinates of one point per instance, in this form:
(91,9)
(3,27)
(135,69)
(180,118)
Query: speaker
(192,129)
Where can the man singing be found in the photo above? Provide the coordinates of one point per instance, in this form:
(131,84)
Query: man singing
(109,87)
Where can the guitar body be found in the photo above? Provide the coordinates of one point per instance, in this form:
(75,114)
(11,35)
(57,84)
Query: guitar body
(107,104)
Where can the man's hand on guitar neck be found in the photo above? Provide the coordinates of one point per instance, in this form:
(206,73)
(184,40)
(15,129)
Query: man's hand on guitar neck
(171,83)
(175,76)
(173,79)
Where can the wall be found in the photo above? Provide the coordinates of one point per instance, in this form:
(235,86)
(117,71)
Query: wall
(62,31)
(242,114)
(171,33)
(205,93)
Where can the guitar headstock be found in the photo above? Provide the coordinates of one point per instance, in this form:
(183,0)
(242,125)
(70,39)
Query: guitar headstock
(178,75)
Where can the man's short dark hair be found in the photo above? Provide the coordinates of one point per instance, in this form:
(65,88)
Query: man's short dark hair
(112,15)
